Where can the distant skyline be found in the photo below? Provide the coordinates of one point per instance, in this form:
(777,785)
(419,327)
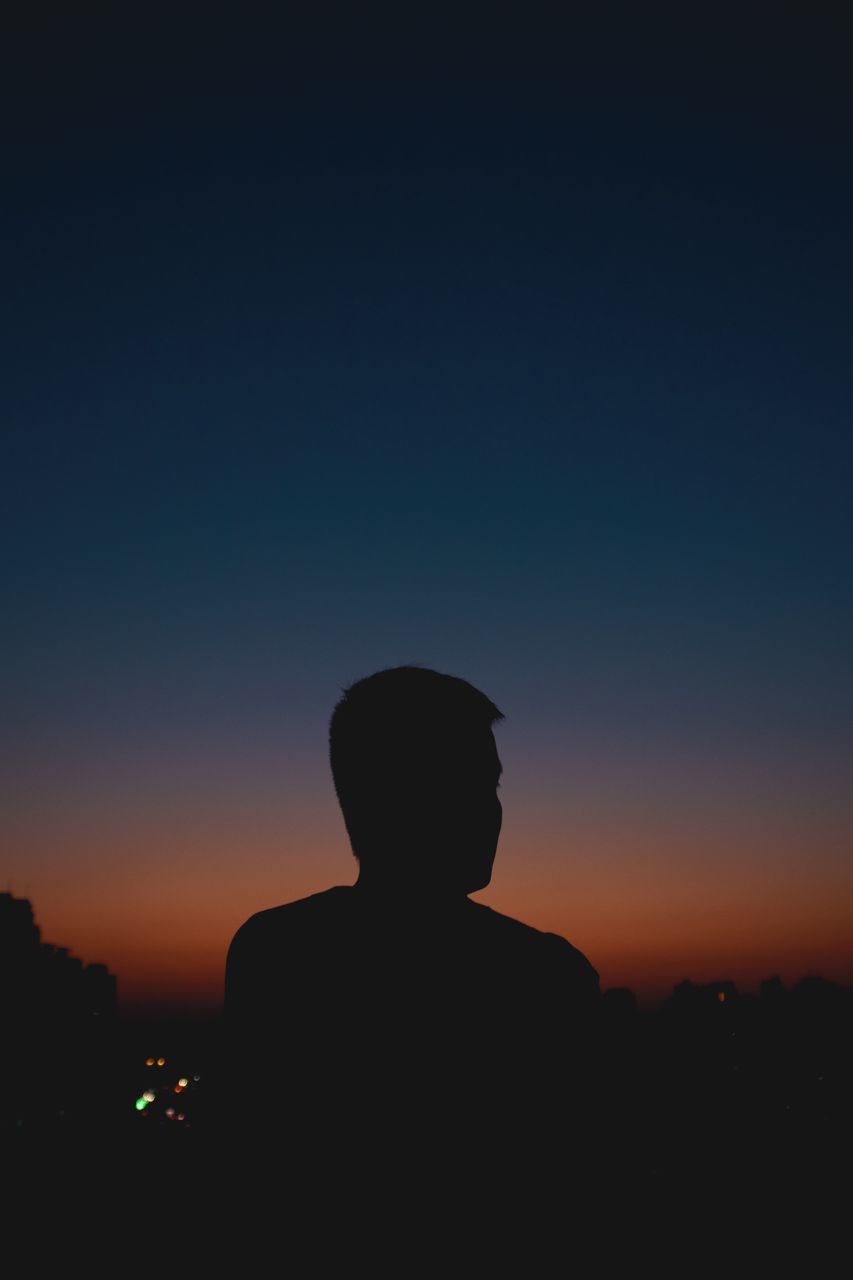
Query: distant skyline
(519,349)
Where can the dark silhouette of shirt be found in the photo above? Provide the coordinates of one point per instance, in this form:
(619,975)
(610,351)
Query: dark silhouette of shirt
(430,1018)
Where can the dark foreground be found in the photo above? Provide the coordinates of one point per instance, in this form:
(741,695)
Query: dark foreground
(718,1105)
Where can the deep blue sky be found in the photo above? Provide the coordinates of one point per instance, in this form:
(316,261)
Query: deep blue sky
(515,347)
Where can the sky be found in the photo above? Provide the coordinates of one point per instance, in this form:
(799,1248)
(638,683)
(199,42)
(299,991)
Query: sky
(518,348)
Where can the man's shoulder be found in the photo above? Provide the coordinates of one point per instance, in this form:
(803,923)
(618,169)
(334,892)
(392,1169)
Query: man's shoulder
(273,922)
(551,949)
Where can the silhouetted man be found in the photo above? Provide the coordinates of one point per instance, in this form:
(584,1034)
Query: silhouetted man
(397,1010)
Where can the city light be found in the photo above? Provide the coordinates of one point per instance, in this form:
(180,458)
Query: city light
(183,1082)
(141,1103)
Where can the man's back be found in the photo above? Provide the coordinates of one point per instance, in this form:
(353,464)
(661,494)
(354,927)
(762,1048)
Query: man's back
(426,1014)
(347,948)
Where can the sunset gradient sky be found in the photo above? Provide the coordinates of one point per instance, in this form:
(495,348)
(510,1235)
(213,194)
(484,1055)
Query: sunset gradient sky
(519,351)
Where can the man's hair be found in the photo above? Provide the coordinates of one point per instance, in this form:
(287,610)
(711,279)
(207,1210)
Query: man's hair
(395,730)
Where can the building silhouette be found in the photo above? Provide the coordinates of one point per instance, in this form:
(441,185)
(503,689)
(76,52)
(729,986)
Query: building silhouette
(57,1016)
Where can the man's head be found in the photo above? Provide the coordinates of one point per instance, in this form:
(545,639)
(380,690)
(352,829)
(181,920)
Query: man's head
(416,769)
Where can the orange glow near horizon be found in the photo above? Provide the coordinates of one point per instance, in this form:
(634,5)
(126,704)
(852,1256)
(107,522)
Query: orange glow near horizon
(647,909)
